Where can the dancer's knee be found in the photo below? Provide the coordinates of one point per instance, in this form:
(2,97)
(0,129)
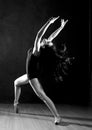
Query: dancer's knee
(41,95)
(38,89)
(16,83)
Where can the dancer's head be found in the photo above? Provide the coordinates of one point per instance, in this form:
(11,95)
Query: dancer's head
(46,42)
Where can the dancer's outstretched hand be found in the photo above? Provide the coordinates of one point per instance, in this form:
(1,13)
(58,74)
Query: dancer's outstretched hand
(63,22)
(53,19)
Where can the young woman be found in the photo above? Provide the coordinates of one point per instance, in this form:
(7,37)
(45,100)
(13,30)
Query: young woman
(33,68)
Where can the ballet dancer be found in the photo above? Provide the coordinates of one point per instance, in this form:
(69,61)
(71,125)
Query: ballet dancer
(32,68)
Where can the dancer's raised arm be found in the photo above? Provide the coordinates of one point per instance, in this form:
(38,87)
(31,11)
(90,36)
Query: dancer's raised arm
(55,33)
(42,31)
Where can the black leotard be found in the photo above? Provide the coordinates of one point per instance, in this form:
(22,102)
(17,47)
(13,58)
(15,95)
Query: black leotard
(39,65)
(32,65)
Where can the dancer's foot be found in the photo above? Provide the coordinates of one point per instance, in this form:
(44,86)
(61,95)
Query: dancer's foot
(57,120)
(16,109)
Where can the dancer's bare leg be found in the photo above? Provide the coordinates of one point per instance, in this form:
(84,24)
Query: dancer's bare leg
(41,94)
(17,89)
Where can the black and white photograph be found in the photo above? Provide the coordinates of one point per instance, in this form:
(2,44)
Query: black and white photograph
(45,65)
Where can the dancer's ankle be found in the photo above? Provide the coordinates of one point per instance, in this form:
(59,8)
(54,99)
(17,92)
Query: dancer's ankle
(57,120)
(16,103)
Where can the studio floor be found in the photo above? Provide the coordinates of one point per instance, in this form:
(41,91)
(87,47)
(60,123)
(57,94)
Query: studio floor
(38,117)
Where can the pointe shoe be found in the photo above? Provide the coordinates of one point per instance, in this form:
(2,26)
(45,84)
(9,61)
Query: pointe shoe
(57,120)
(16,109)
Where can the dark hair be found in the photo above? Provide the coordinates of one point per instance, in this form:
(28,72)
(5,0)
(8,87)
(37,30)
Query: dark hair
(56,60)
(63,62)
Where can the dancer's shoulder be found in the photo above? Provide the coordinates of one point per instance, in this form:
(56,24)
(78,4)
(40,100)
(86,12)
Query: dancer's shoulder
(29,51)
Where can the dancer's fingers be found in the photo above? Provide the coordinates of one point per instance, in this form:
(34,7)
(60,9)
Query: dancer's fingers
(63,22)
(53,19)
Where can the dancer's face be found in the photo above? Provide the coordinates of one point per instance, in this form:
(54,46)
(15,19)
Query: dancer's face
(46,42)
(50,44)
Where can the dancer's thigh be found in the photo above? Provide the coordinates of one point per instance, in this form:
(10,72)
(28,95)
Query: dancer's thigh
(22,80)
(37,87)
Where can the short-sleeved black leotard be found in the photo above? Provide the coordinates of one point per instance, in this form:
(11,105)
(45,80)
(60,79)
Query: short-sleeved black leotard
(32,65)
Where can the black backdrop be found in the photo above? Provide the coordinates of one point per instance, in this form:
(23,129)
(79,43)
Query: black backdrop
(19,22)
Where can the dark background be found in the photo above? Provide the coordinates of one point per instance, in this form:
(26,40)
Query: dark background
(19,22)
